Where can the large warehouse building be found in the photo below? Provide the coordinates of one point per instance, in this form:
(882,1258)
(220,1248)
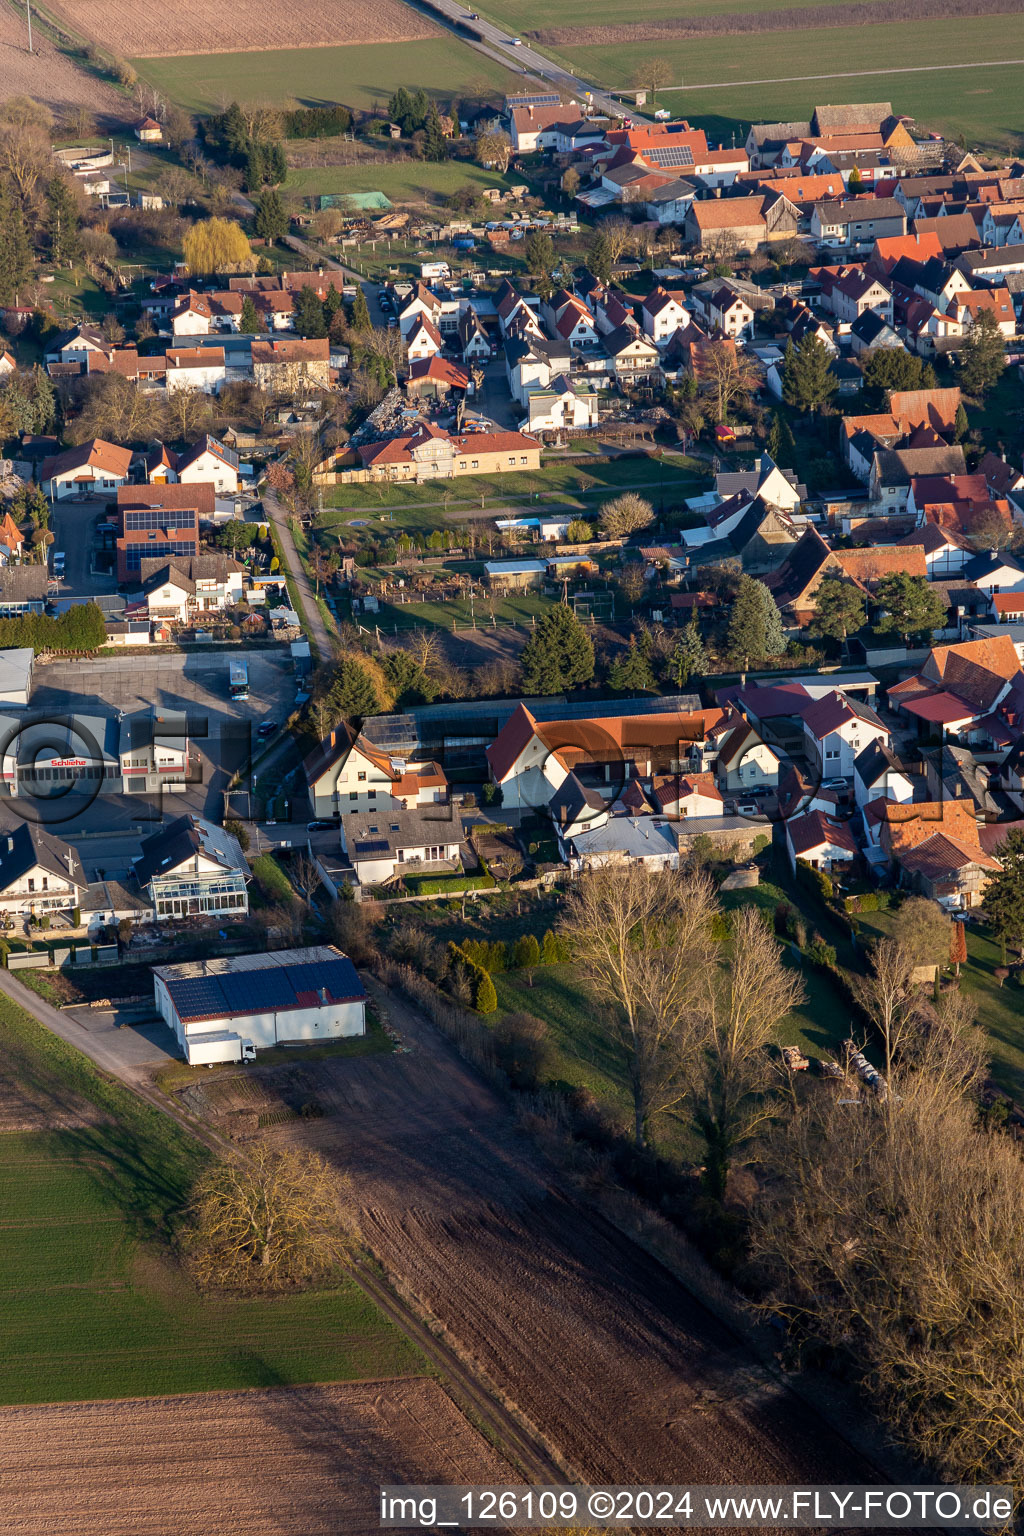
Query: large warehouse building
(217,1008)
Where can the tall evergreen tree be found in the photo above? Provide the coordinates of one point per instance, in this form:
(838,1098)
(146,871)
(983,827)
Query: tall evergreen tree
(839,609)
(631,670)
(234,131)
(755,628)
(271,221)
(559,655)
(249,319)
(807,380)
(688,656)
(15,251)
(360,310)
(309,314)
(984,355)
(255,172)
(62,223)
(435,145)
(276,164)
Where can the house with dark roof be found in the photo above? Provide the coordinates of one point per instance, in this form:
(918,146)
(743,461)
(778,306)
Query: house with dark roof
(953,873)
(23,589)
(894,469)
(821,841)
(878,774)
(347,775)
(794,584)
(40,874)
(386,842)
(745,761)
(837,728)
(193,868)
(575,807)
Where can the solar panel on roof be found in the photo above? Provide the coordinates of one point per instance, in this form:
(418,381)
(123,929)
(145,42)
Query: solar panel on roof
(678,154)
(378,846)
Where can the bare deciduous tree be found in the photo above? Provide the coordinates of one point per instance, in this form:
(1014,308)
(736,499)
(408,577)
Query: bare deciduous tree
(643,945)
(889,998)
(280,1217)
(727,1068)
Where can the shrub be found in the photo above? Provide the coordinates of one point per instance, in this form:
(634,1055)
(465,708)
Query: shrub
(485,999)
(820,953)
(553,950)
(526,953)
(814,879)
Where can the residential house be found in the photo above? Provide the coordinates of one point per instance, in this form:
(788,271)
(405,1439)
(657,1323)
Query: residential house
(819,840)
(148,131)
(40,875)
(730,225)
(159,522)
(210,462)
(745,761)
(531,758)
(193,316)
(995,573)
(437,377)
(346,773)
(387,841)
(74,345)
(870,331)
(961,688)
(662,313)
(894,470)
(423,340)
(202,368)
(879,774)
(646,840)
(193,868)
(23,590)
(290,365)
(179,588)
(837,728)
(561,405)
(474,342)
(794,584)
(92,468)
(12,539)
(953,873)
(857,224)
(687,795)
(635,358)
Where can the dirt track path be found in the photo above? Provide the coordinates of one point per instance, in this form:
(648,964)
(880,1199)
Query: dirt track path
(305,1461)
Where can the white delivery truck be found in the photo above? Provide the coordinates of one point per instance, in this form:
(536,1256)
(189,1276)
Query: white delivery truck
(208,1050)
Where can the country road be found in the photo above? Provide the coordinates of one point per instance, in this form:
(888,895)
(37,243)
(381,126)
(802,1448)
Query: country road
(321,637)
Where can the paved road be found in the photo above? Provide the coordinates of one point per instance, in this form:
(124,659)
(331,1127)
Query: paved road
(497,44)
(323,641)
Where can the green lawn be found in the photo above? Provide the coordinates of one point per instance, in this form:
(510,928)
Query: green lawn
(403,181)
(363,75)
(579,485)
(94,1304)
(522,15)
(517,608)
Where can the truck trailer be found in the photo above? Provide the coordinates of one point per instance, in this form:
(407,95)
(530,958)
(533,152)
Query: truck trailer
(218,1045)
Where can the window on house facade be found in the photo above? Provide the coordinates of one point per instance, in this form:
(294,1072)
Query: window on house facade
(361,777)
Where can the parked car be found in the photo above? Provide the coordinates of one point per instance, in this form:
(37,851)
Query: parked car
(747,808)
(320,826)
(267,728)
(834,784)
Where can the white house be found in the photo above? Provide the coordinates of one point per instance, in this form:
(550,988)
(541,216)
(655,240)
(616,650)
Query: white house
(820,841)
(646,840)
(193,316)
(346,774)
(559,405)
(745,762)
(210,461)
(837,728)
(91,468)
(193,868)
(688,795)
(423,340)
(994,573)
(195,368)
(39,874)
(190,584)
(390,841)
(663,312)
(75,345)
(878,774)
(280,995)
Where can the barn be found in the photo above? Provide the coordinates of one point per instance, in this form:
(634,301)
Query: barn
(286,995)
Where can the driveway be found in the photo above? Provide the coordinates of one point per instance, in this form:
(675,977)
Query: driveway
(73,525)
(129,1052)
(322,639)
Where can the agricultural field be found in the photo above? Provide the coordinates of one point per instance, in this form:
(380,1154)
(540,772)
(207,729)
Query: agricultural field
(784,74)
(95,1306)
(361,75)
(49,74)
(301,1461)
(148,29)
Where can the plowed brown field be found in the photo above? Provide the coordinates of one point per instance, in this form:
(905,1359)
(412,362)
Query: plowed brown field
(47,75)
(147,29)
(603,1351)
(298,1461)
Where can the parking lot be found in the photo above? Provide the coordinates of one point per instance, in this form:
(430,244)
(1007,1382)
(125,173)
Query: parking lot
(73,525)
(222,730)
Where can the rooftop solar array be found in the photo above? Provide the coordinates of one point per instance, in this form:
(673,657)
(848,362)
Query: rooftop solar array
(676,154)
(271,990)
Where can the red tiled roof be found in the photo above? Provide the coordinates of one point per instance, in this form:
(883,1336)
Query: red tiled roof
(942,856)
(814,829)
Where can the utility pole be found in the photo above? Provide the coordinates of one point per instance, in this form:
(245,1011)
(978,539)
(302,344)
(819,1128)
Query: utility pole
(28,18)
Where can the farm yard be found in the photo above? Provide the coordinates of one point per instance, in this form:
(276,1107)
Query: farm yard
(362,75)
(144,1467)
(193,26)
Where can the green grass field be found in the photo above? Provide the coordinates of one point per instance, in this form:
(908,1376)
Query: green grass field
(794,71)
(579,485)
(94,1303)
(363,75)
(403,181)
